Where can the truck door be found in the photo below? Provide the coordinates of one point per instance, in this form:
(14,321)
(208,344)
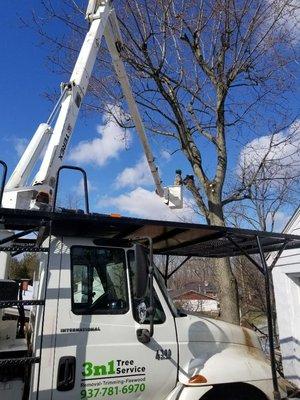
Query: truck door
(97,354)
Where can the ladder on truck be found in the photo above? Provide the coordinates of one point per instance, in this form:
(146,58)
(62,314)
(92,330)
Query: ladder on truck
(17,361)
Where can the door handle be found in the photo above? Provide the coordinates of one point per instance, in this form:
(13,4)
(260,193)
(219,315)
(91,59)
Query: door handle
(66,373)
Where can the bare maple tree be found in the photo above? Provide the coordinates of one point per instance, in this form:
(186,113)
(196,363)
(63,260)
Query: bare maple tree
(204,72)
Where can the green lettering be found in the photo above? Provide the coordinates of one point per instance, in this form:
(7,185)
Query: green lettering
(100,370)
(111,370)
(88,369)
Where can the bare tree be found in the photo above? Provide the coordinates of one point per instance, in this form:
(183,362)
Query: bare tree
(251,288)
(203,72)
(195,269)
(269,169)
(25,267)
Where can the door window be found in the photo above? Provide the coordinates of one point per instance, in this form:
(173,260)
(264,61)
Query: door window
(99,283)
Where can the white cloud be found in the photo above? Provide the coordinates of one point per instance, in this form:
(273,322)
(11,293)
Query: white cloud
(133,176)
(165,155)
(290,16)
(280,154)
(291,19)
(20,145)
(146,204)
(79,189)
(111,142)
(280,220)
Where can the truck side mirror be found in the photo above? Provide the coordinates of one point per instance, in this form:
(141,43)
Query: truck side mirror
(141,271)
(143,275)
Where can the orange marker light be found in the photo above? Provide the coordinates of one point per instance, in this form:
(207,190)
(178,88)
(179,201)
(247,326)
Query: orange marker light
(198,379)
(116,215)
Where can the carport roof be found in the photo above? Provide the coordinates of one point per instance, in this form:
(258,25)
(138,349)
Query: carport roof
(172,238)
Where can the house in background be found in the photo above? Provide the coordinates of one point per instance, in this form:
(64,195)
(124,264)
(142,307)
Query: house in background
(286,279)
(197,297)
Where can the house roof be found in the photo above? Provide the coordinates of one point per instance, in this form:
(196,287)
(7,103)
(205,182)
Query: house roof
(196,286)
(173,238)
(182,294)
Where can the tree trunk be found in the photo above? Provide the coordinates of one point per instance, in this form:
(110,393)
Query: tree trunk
(227,289)
(226,282)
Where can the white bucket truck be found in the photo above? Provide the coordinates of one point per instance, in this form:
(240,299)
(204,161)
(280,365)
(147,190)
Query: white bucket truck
(102,324)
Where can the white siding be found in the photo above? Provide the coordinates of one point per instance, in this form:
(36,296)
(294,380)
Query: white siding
(286,277)
(199,305)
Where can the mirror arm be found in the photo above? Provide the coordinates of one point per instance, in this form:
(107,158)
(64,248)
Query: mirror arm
(150,309)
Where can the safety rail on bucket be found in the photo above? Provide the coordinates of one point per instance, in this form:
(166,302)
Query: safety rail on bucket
(4,174)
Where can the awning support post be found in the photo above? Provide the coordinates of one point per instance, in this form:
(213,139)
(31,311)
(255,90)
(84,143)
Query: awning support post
(246,254)
(270,320)
(179,266)
(266,272)
(278,255)
(166,270)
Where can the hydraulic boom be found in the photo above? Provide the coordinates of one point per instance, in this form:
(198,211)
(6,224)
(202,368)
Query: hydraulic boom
(39,195)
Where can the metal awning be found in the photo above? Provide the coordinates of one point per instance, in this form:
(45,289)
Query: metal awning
(172,238)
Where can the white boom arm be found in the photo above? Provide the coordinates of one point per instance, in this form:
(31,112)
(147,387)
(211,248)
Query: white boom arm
(103,21)
(113,39)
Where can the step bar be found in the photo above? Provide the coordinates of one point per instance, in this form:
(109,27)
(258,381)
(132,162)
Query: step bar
(12,303)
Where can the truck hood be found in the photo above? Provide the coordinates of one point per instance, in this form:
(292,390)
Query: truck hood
(201,329)
(219,351)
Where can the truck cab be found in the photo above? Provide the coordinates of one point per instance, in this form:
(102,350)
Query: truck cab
(92,315)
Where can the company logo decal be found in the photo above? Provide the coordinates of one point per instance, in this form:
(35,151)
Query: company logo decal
(115,377)
(65,142)
(113,367)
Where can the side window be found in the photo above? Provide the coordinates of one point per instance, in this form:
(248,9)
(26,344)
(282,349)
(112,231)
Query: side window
(159,316)
(80,284)
(98,280)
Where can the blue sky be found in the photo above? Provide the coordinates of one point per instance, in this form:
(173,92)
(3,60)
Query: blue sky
(25,77)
